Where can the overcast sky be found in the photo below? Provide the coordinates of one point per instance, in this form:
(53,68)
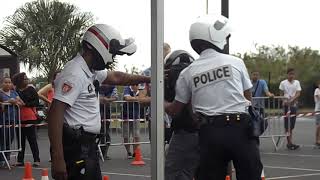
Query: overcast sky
(268,22)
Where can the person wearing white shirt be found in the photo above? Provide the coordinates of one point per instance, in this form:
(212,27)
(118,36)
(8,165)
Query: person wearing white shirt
(74,120)
(291,90)
(317,110)
(218,86)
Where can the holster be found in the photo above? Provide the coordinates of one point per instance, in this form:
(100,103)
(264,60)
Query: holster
(80,142)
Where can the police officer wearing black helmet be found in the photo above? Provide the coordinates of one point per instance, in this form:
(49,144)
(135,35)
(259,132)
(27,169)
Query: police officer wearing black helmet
(74,117)
(182,158)
(218,87)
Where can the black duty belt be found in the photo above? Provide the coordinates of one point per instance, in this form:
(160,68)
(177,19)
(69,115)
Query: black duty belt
(79,134)
(223,120)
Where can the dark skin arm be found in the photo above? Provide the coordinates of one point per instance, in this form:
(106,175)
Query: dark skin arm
(55,125)
(125,79)
(173,108)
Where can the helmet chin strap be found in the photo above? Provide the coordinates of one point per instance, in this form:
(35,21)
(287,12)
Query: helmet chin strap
(97,61)
(98,64)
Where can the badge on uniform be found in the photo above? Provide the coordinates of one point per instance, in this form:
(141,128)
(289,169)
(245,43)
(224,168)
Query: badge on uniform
(66,87)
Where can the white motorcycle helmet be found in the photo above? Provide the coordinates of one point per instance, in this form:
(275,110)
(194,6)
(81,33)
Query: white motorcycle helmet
(107,43)
(209,30)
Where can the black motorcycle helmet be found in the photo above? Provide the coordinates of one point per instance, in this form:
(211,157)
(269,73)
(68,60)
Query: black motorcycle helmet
(174,64)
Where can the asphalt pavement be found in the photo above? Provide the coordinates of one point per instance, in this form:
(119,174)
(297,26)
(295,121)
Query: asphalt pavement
(302,164)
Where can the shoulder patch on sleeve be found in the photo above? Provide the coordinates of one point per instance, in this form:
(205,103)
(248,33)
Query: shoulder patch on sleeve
(67,87)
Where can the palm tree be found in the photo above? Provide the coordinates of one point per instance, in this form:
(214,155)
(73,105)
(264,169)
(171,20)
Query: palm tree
(45,34)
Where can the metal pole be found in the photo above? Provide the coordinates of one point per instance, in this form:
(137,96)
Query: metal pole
(225,12)
(207,6)
(225,8)
(157,131)
(269,80)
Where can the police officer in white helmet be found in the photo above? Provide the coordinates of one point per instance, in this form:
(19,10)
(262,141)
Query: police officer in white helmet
(74,117)
(218,86)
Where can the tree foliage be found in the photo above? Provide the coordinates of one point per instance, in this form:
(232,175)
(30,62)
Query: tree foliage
(273,62)
(132,70)
(45,34)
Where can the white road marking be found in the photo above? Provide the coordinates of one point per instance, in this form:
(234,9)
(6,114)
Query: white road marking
(293,155)
(123,174)
(292,168)
(289,177)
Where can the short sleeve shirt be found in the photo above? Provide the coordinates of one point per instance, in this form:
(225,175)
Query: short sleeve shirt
(317,99)
(131,110)
(12,111)
(290,88)
(74,86)
(214,83)
(107,91)
(259,89)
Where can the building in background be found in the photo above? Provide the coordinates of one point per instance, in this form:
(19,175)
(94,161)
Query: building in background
(9,64)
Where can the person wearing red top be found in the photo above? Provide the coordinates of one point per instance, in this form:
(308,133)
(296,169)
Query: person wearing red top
(28,116)
(47,92)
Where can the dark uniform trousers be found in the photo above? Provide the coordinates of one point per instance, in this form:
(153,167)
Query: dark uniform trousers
(222,141)
(182,159)
(81,155)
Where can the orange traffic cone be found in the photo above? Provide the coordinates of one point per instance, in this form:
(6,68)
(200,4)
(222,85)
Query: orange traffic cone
(27,172)
(228,177)
(262,175)
(138,158)
(105,177)
(44,174)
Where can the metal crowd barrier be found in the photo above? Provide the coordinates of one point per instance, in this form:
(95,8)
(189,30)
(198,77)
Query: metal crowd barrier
(273,112)
(123,120)
(10,131)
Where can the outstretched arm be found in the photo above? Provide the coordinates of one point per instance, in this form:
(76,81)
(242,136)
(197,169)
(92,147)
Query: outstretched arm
(124,79)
